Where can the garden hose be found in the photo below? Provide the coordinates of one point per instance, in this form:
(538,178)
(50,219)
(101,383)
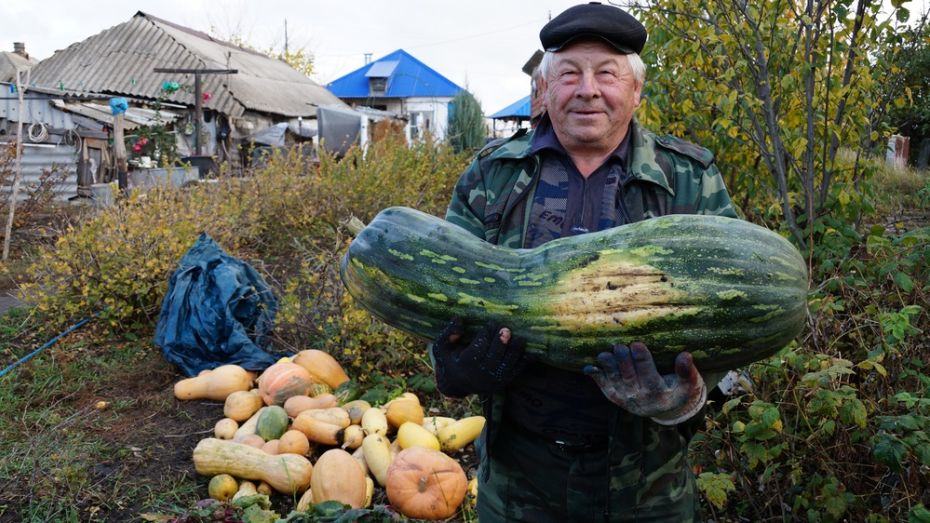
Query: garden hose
(47,344)
(38,133)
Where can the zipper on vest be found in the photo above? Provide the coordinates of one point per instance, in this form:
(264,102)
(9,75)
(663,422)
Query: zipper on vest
(580,228)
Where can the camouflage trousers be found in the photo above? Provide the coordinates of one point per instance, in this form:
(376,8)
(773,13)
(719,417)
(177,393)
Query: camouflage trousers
(534,480)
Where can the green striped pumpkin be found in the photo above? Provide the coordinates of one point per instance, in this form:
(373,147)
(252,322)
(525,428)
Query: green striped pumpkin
(728,291)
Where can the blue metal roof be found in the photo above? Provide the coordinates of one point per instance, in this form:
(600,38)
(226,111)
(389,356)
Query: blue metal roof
(382,69)
(518,109)
(406,77)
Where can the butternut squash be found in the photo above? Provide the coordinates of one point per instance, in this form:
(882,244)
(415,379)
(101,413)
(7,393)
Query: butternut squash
(305,501)
(374,422)
(248,428)
(294,442)
(434,423)
(246,488)
(240,405)
(337,476)
(225,428)
(359,455)
(271,446)
(412,435)
(216,384)
(252,440)
(318,431)
(369,490)
(455,436)
(377,452)
(403,410)
(352,437)
(297,404)
(333,416)
(356,409)
(286,473)
(321,366)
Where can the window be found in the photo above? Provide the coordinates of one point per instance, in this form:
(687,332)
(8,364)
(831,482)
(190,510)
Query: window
(377,86)
(420,123)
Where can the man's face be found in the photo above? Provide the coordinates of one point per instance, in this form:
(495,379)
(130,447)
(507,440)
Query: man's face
(591,95)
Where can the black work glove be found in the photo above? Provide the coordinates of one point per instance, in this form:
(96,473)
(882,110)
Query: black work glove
(485,365)
(628,377)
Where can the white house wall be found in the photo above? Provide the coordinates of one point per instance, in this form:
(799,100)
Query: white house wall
(439,107)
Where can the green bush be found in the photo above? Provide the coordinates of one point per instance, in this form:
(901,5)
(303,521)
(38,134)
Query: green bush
(286,220)
(119,260)
(836,427)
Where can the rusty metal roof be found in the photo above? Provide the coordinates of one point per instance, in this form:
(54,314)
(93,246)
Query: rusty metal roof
(120,61)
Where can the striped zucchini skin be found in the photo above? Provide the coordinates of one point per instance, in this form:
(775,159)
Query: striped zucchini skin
(728,291)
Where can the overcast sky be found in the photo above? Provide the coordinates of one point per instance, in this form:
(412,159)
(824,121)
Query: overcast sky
(478,44)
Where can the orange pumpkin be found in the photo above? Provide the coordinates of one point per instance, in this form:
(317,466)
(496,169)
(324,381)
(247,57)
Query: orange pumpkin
(283,380)
(425,484)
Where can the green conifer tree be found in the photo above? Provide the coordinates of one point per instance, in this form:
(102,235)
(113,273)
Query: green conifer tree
(467,131)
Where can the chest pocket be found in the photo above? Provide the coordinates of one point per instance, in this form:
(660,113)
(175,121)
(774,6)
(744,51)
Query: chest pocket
(507,202)
(492,222)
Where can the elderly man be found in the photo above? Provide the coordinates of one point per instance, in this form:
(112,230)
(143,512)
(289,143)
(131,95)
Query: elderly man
(561,446)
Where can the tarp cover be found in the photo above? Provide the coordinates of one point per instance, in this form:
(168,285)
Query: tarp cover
(218,311)
(338,129)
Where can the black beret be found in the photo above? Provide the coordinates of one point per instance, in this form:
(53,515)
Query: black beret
(606,22)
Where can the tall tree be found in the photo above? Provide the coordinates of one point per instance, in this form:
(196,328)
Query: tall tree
(300,59)
(775,88)
(467,131)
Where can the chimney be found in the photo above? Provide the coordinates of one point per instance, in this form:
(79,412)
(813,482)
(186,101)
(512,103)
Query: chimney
(20,49)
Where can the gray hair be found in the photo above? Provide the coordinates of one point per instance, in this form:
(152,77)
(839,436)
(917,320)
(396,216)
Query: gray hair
(635,61)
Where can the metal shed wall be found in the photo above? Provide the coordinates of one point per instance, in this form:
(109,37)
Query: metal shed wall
(36,160)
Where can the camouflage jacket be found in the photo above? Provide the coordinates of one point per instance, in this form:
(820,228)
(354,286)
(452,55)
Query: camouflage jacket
(493,199)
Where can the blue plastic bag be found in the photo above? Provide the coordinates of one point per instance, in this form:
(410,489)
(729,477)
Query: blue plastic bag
(118,105)
(218,310)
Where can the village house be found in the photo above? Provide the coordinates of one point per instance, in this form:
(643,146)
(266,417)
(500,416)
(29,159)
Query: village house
(17,60)
(401,84)
(242,96)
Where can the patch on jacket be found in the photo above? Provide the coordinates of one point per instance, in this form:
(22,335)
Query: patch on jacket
(693,151)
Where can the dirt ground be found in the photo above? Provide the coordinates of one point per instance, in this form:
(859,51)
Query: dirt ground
(146,439)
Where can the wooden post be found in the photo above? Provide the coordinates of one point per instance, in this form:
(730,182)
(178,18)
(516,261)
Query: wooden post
(198,95)
(14,193)
(119,153)
(198,113)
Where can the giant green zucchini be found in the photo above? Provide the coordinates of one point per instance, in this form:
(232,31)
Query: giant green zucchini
(728,291)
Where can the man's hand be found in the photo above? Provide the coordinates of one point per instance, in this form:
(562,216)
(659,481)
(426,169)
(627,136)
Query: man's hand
(628,377)
(485,365)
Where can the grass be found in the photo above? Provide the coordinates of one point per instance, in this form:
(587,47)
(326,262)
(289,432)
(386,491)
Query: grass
(63,458)
(899,190)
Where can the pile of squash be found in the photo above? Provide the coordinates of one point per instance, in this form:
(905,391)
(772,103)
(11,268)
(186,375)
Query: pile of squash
(293,435)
